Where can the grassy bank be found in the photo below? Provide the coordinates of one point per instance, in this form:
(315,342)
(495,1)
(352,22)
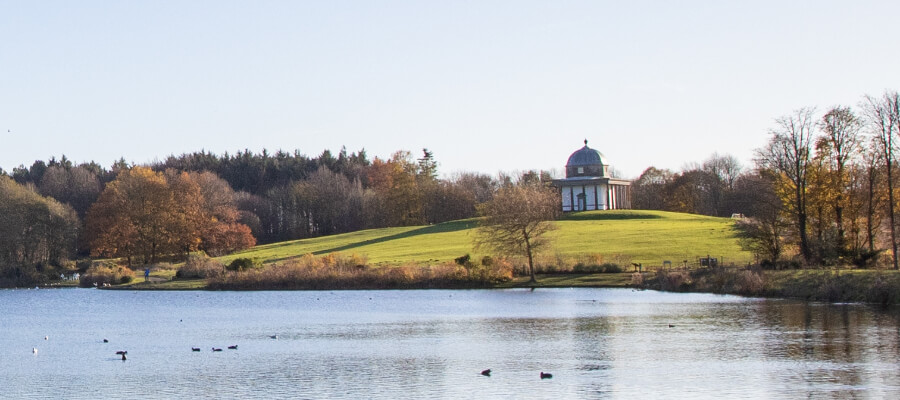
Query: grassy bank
(423,256)
(648,237)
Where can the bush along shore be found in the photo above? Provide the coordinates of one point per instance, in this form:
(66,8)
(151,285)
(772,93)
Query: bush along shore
(867,286)
(337,271)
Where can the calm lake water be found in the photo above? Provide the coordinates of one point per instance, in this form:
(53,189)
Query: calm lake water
(597,343)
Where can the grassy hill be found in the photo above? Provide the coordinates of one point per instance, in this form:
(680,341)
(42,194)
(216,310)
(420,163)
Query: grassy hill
(647,237)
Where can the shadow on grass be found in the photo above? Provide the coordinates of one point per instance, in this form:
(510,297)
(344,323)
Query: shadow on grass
(606,216)
(444,227)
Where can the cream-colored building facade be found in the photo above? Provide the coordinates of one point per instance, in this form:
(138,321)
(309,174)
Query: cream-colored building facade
(588,186)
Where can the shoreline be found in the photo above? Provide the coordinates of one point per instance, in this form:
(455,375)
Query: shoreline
(835,286)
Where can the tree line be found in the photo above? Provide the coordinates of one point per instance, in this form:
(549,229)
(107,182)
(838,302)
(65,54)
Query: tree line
(223,203)
(820,192)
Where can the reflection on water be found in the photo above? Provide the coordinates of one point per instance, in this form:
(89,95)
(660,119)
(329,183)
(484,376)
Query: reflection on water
(427,344)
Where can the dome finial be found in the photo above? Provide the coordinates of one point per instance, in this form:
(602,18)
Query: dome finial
(585,142)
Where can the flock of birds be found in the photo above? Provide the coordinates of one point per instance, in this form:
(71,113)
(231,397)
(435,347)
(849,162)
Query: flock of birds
(544,375)
(124,353)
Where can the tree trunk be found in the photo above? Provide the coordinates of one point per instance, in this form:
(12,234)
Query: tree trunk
(801,224)
(530,256)
(890,180)
(839,208)
(870,210)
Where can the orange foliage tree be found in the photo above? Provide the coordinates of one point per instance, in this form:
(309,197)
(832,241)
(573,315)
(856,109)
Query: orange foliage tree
(145,214)
(394,181)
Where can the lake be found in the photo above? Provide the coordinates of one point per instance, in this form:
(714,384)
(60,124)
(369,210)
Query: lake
(597,343)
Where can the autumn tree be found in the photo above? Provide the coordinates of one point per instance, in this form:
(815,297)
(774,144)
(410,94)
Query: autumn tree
(394,181)
(36,233)
(131,217)
(517,220)
(220,228)
(820,194)
(145,214)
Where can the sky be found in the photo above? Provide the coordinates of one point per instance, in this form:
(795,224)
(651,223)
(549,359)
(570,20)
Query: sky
(487,86)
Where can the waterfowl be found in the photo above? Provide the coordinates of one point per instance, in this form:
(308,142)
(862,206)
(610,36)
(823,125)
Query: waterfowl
(34,350)
(273,337)
(195,349)
(671,326)
(216,349)
(123,357)
(105,340)
(486,372)
(546,375)
(232,347)
(46,337)
(122,352)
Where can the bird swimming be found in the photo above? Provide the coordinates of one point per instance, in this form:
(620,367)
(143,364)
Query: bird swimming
(122,352)
(123,357)
(486,372)
(546,375)
(195,349)
(273,337)
(232,347)
(105,340)
(216,349)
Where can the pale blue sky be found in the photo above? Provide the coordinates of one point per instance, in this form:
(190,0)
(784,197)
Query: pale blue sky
(486,85)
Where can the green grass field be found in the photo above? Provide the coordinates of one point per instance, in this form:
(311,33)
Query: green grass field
(647,237)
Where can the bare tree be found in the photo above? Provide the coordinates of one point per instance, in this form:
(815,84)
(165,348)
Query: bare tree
(761,232)
(841,133)
(649,189)
(725,167)
(517,219)
(873,198)
(883,118)
(788,153)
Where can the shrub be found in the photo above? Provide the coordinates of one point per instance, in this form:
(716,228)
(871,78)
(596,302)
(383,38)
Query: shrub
(466,259)
(242,264)
(106,274)
(637,279)
(200,266)
(502,269)
(163,266)
(749,282)
(83,264)
(672,280)
(605,268)
(309,272)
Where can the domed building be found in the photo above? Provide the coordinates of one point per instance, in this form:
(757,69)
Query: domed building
(588,186)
